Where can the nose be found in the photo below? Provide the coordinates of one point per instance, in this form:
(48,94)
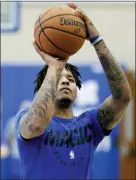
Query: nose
(65,82)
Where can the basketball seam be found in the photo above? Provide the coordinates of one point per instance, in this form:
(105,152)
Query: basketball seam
(65,32)
(47,12)
(55,44)
(42,17)
(42,31)
(53,17)
(40,34)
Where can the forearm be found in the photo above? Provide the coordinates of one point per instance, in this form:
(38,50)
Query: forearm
(43,103)
(112,109)
(42,107)
(115,75)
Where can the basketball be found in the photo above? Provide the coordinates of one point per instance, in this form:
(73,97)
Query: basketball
(60,31)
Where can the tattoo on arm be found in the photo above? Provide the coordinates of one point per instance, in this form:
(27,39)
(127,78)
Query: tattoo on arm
(43,103)
(46,94)
(105,115)
(114,73)
(33,129)
(112,109)
(40,106)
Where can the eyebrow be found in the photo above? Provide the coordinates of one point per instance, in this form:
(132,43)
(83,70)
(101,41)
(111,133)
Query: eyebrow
(70,76)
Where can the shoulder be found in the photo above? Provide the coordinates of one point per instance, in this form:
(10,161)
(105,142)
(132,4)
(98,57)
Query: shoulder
(19,115)
(90,114)
(20,140)
(87,118)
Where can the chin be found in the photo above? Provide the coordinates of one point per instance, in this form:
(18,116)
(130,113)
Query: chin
(65,97)
(64,102)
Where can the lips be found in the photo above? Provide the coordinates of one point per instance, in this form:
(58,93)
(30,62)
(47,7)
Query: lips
(65,88)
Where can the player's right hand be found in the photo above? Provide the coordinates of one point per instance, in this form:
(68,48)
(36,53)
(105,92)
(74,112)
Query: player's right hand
(48,59)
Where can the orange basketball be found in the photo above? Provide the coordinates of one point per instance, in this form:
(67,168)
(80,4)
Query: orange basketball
(60,31)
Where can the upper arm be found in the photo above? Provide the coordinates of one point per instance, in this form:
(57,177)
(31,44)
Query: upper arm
(111,112)
(26,148)
(29,128)
(21,132)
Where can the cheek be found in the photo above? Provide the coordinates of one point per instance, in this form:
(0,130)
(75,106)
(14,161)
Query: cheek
(75,91)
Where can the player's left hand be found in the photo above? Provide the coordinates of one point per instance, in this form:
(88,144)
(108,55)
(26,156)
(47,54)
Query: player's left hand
(91,29)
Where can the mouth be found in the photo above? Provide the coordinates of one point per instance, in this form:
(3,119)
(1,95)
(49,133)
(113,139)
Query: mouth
(65,88)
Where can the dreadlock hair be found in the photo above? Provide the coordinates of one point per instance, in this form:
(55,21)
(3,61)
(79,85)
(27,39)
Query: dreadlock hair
(41,75)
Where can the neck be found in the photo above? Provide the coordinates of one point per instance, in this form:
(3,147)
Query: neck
(64,113)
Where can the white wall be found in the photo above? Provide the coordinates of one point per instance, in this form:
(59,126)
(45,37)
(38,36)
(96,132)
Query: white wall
(116,21)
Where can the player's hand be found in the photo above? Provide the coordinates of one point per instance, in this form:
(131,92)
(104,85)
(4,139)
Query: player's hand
(48,59)
(91,29)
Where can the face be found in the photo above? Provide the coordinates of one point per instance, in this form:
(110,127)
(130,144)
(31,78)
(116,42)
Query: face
(67,89)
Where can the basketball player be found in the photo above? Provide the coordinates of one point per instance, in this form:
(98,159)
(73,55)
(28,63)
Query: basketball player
(54,144)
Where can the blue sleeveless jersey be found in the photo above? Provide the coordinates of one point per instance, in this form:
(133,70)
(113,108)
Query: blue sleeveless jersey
(64,151)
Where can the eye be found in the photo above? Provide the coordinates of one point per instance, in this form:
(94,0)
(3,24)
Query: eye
(71,80)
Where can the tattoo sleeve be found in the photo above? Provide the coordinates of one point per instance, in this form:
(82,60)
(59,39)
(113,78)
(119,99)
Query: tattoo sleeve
(116,78)
(118,85)
(42,107)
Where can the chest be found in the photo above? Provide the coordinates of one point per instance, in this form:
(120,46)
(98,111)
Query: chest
(71,142)
(68,136)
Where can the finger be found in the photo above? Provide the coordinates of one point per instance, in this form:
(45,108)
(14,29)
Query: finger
(78,11)
(72,5)
(81,13)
